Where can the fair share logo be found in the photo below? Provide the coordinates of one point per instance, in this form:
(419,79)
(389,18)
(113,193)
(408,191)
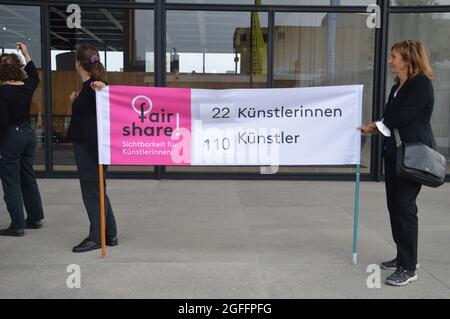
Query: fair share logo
(142,105)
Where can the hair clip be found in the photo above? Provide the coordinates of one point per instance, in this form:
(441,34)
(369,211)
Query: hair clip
(94,59)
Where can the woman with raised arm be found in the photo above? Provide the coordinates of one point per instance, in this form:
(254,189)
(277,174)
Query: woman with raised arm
(18,143)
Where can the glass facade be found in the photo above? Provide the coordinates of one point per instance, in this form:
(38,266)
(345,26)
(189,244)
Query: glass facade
(208,44)
(433,29)
(213,50)
(325,49)
(280,2)
(23,24)
(124,39)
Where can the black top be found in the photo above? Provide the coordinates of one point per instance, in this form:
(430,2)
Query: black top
(15,100)
(83,125)
(410,112)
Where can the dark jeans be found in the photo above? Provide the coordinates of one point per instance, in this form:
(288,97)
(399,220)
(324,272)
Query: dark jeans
(20,188)
(401,200)
(90,190)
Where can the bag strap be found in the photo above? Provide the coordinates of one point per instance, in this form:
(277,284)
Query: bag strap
(433,142)
(398,140)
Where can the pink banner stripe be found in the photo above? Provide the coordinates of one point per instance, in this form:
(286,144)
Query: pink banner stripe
(150,125)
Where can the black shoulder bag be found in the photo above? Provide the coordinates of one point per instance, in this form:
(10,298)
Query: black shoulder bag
(419,163)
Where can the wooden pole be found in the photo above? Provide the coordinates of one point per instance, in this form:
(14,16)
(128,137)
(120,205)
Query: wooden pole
(102,210)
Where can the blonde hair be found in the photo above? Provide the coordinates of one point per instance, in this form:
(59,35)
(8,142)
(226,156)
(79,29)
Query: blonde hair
(416,55)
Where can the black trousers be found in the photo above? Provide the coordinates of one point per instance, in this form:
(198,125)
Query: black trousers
(20,188)
(401,197)
(90,190)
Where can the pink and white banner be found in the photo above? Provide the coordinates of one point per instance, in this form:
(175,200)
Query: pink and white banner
(171,126)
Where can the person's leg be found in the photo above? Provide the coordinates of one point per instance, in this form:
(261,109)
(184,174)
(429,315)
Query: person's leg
(407,233)
(391,194)
(10,174)
(90,189)
(90,195)
(89,192)
(12,193)
(29,187)
(408,227)
(111,227)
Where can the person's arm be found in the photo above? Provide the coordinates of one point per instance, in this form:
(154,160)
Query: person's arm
(33,76)
(413,103)
(383,129)
(30,68)
(4,117)
(22,47)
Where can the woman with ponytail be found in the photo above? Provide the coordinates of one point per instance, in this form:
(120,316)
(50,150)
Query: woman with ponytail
(83,132)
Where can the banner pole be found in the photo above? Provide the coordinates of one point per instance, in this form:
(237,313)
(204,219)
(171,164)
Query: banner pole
(102,210)
(356,217)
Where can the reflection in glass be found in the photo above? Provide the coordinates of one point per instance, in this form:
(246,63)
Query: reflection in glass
(320,49)
(281,2)
(125,41)
(23,24)
(419,2)
(216,50)
(433,29)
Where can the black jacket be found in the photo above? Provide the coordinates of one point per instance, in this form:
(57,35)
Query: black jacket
(83,124)
(15,100)
(410,112)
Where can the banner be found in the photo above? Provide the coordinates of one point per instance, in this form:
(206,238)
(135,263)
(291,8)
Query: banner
(242,127)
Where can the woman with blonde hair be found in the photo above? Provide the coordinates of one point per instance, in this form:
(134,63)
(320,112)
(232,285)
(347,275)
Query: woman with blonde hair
(408,109)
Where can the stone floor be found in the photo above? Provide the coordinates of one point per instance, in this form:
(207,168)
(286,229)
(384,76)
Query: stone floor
(224,239)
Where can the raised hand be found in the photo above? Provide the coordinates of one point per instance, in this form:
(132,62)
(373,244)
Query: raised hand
(23,48)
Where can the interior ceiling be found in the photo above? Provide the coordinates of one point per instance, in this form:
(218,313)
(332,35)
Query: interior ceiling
(106,28)
(187,31)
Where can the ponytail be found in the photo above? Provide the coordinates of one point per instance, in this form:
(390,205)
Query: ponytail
(98,72)
(89,59)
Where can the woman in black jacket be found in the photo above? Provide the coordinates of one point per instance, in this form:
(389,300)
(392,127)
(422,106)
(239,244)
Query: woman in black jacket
(83,132)
(409,109)
(18,143)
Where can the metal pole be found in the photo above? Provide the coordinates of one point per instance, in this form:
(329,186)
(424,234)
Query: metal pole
(356,217)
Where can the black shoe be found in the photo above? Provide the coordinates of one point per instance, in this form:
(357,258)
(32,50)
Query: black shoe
(112,241)
(12,232)
(86,245)
(401,277)
(392,265)
(33,225)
